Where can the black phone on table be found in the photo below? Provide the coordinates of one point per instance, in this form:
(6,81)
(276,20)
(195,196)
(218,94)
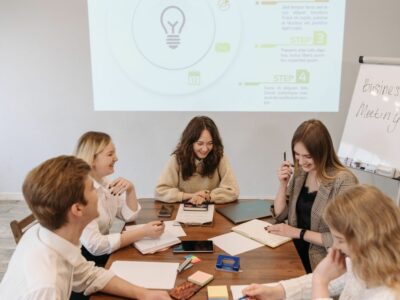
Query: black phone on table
(166,211)
(194,246)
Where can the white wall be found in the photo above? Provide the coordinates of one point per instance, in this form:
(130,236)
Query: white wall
(46,99)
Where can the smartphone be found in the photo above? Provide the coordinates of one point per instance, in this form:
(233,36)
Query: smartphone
(166,211)
(194,246)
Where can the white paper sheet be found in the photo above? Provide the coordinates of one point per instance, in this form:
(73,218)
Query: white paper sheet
(151,275)
(234,243)
(236,290)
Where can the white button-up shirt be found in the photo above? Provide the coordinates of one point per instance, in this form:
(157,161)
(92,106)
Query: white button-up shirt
(96,237)
(46,266)
(348,286)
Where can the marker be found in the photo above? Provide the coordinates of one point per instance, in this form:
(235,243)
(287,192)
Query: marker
(183,265)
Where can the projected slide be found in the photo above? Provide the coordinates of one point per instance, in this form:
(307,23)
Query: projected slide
(216,55)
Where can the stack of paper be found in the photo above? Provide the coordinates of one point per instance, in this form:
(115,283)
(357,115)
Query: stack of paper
(255,229)
(171,226)
(195,217)
(200,278)
(151,245)
(217,292)
(167,239)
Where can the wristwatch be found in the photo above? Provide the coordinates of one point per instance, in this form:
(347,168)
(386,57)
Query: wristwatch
(302,233)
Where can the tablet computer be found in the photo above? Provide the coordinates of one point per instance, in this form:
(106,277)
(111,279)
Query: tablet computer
(194,246)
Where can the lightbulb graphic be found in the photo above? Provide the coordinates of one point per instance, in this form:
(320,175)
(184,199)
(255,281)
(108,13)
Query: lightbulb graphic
(172,20)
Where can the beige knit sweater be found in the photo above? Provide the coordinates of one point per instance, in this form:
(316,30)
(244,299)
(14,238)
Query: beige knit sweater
(222,184)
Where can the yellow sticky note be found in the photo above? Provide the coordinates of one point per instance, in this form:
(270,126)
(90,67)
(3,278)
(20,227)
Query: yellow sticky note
(217,292)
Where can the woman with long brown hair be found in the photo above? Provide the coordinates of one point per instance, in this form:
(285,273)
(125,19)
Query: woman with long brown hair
(198,170)
(318,176)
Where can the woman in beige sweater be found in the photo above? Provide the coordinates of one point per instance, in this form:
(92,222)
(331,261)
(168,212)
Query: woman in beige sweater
(198,170)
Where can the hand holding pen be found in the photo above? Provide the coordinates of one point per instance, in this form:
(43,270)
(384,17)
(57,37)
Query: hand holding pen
(154,229)
(285,171)
(263,292)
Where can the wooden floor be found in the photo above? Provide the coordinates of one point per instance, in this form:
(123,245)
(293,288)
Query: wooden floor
(9,210)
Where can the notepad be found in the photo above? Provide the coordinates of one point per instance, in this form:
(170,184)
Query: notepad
(255,230)
(195,217)
(217,292)
(171,226)
(151,245)
(200,278)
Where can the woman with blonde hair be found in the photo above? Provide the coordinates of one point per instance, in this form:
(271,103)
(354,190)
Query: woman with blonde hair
(318,177)
(364,262)
(116,198)
(198,170)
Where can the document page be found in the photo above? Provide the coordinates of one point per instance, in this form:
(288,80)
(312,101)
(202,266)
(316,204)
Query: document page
(237,290)
(151,275)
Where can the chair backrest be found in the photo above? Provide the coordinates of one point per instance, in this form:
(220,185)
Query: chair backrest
(18,228)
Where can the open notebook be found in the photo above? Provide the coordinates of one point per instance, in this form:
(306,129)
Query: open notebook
(255,230)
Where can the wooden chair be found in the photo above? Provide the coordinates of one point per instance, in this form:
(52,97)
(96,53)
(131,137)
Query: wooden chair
(18,228)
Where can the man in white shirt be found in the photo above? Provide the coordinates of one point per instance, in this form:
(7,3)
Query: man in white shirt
(47,263)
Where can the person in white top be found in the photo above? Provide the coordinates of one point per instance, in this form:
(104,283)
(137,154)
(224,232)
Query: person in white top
(364,261)
(117,198)
(47,263)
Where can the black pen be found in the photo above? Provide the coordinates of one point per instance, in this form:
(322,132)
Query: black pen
(284,159)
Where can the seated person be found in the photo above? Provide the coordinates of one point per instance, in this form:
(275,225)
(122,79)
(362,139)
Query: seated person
(117,198)
(318,177)
(47,263)
(198,171)
(364,261)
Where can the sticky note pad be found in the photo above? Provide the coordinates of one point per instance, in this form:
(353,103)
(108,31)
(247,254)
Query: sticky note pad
(195,259)
(200,278)
(217,292)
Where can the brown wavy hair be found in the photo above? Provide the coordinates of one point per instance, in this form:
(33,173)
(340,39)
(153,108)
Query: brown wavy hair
(316,138)
(184,150)
(370,223)
(53,187)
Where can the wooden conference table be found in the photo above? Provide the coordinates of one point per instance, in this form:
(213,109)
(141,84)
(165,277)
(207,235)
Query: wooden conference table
(261,265)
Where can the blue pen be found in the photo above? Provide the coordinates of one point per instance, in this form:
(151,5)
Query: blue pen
(243,298)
